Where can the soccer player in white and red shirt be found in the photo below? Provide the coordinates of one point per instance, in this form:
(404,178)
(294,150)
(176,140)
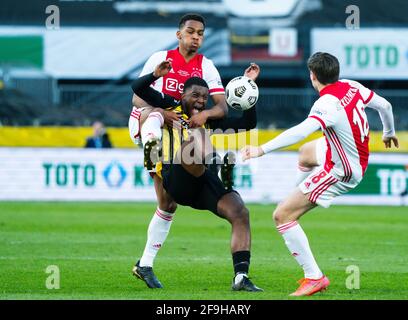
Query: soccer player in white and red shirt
(339,113)
(147,121)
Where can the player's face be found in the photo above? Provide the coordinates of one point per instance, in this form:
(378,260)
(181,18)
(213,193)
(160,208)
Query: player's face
(191,36)
(313,79)
(194,100)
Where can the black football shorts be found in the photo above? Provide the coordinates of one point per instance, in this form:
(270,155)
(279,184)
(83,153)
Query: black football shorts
(202,193)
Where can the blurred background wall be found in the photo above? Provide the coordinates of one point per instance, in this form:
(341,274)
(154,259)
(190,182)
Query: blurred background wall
(71,73)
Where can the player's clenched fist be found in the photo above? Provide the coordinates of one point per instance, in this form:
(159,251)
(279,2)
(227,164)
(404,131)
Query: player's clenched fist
(162,69)
(252,71)
(387,141)
(251,152)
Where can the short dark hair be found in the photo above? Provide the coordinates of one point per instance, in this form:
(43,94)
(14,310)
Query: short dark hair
(191,16)
(325,66)
(194,81)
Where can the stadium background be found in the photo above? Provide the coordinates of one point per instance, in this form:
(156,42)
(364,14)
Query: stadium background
(54,82)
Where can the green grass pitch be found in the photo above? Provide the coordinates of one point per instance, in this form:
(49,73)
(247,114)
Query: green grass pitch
(95,245)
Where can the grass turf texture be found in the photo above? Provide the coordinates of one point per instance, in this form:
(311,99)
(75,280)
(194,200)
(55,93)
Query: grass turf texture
(95,245)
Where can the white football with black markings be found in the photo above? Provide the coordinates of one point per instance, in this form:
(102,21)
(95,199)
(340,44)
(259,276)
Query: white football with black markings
(241,93)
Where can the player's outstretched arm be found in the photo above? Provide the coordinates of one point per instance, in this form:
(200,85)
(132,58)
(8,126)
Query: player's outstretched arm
(249,152)
(286,138)
(141,87)
(384,109)
(171,118)
(159,71)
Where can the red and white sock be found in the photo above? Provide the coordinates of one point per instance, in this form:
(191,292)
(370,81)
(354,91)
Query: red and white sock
(152,127)
(298,245)
(157,232)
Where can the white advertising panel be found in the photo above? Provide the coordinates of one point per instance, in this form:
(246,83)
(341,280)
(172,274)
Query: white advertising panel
(367,53)
(118,175)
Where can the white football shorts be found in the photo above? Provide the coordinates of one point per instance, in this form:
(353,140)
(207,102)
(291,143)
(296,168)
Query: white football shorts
(323,187)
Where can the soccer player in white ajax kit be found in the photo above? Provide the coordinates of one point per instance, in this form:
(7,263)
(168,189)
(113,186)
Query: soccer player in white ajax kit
(146,121)
(339,113)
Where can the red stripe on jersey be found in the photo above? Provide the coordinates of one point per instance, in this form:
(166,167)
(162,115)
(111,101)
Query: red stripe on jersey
(320,120)
(369,97)
(217,90)
(349,97)
(343,157)
(329,164)
(362,147)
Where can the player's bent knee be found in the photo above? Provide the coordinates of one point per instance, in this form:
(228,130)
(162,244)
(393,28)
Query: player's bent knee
(275,216)
(168,206)
(306,156)
(279,215)
(172,207)
(304,160)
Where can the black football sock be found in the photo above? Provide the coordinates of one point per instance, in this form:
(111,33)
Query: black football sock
(241,260)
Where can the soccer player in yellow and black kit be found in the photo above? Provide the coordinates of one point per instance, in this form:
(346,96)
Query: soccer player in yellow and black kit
(186,178)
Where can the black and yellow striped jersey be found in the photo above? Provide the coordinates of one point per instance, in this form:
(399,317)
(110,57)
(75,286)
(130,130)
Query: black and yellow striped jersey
(172,139)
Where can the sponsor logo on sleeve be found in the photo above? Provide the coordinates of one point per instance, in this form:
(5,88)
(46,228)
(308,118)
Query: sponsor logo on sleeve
(319,112)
